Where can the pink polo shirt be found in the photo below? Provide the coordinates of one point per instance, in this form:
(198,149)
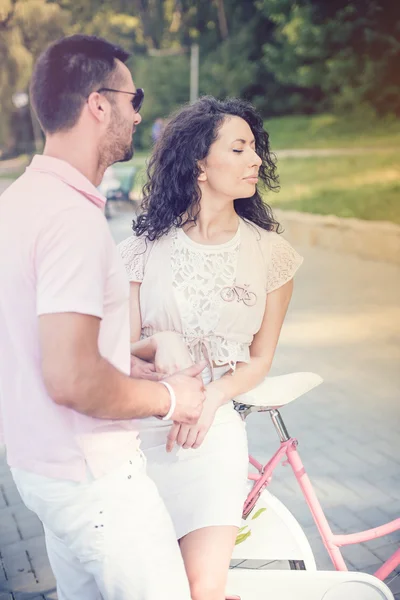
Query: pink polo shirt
(57,255)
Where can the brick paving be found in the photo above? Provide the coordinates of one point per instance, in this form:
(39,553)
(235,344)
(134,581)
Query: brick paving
(344,323)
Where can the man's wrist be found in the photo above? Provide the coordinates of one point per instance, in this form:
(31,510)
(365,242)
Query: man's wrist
(172,405)
(163,401)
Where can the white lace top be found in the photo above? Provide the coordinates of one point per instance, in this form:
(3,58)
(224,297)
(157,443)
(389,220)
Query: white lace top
(204,281)
(200,273)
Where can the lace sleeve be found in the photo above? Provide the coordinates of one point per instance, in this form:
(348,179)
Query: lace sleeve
(283,264)
(133,254)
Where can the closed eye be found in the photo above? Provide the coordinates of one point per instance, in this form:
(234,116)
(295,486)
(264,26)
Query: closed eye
(238,151)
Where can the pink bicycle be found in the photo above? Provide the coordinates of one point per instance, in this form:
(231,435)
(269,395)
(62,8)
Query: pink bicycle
(271,533)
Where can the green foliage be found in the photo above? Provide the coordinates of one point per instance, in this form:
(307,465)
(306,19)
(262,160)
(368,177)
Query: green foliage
(344,52)
(26,27)
(258,513)
(242,535)
(358,184)
(286,56)
(165,80)
(122,29)
(39,23)
(229,70)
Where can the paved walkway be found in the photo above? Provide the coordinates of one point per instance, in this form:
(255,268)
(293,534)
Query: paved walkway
(344,323)
(315,152)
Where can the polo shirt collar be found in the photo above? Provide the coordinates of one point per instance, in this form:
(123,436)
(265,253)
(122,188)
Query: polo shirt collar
(69,175)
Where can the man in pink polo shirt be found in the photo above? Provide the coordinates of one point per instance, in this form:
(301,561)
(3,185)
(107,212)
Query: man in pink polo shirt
(67,399)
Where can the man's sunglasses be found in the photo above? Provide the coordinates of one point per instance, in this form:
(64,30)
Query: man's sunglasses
(137,99)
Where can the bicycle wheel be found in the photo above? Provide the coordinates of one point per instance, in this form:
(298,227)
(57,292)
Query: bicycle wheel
(274,565)
(320,585)
(228,294)
(271,538)
(250,299)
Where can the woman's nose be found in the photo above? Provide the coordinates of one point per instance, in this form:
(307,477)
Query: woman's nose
(257,160)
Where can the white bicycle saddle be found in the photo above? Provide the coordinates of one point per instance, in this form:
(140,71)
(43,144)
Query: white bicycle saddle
(274,392)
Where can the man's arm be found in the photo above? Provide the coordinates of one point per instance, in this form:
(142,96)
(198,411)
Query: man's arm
(72,261)
(77,376)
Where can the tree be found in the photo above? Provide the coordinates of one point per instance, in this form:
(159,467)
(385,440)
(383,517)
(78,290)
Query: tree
(26,28)
(284,55)
(343,52)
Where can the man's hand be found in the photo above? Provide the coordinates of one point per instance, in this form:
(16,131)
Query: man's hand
(190,394)
(141,369)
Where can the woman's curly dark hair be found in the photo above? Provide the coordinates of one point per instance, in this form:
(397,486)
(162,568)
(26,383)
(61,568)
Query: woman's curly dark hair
(171,195)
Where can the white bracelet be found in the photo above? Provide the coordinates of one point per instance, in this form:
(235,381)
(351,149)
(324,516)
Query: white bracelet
(173,401)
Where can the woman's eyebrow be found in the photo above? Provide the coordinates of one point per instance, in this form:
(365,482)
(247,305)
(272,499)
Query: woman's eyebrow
(253,141)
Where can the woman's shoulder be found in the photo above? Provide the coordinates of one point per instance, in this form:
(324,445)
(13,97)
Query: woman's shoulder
(264,236)
(134,244)
(274,247)
(134,252)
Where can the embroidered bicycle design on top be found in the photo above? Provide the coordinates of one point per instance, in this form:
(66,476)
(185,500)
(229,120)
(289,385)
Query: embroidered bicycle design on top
(240,293)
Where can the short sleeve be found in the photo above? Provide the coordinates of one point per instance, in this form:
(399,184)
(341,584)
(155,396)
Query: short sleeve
(283,263)
(71,263)
(133,252)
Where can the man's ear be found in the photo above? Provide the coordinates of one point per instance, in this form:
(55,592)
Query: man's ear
(98,106)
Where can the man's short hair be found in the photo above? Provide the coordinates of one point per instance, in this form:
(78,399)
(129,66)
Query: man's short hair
(66,73)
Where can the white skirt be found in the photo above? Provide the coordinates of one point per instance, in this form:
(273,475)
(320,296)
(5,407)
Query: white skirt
(205,486)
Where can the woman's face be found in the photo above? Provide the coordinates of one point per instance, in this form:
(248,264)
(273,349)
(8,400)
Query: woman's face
(231,166)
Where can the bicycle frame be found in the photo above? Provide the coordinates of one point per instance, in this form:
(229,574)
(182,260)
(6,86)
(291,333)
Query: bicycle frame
(332,542)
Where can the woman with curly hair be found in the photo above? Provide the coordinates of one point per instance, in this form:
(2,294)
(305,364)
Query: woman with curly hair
(211,279)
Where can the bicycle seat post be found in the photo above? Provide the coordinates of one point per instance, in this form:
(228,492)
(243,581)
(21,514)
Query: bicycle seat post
(279,425)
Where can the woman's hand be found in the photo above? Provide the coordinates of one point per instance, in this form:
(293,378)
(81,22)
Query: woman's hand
(192,436)
(171,353)
(141,369)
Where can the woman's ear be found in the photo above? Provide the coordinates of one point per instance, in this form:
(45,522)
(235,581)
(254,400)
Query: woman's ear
(203,174)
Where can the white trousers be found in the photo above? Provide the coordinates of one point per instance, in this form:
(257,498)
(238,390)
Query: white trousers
(109,538)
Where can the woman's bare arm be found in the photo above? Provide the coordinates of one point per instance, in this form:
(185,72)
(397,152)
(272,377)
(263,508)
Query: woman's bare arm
(246,375)
(262,350)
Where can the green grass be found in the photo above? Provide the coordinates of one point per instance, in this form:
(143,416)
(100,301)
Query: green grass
(11,175)
(332,131)
(366,186)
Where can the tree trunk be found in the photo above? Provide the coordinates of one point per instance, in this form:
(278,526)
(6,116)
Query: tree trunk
(143,9)
(222,22)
